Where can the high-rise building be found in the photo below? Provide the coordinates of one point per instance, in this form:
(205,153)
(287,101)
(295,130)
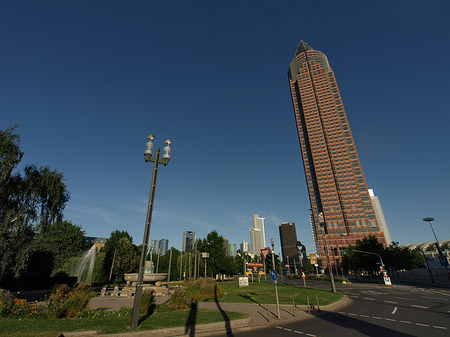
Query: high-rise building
(244,247)
(226,245)
(232,249)
(159,246)
(337,188)
(288,239)
(188,243)
(380,216)
(163,246)
(257,235)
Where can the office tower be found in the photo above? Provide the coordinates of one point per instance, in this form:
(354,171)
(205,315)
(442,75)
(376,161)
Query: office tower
(380,216)
(233,249)
(337,188)
(226,245)
(188,243)
(288,239)
(163,246)
(244,247)
(257,235)
(154,246)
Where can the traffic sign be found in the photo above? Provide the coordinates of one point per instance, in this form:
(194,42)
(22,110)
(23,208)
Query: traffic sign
(265,252)
(273,275)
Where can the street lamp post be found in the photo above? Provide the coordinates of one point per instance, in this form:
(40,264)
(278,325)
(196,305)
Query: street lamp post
(429,220)
(275,281)
(330,270)
(156,161)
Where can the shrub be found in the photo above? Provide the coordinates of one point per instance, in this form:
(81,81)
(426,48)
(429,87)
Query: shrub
(6,303)
(148,296)
(203,290)
(179,300)
(65,303)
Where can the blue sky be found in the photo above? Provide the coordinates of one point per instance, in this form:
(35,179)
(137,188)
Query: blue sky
(86,81)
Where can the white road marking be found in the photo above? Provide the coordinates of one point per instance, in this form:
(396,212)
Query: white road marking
(376,317)
(439,327)
(390,319)
(432,298)
(394,311)
(287,329)
(308,334)
(392,302)
(422,324)
(407,322)
(368,298)
(404,298)
(352,314)
(419,306)
(353,295)
(364,315)
(342,313)
(299,332)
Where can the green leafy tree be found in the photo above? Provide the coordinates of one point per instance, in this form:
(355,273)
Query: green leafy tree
(64,240)
(109,248)
(175,264)
(213,244)
(127,259)
(28,203)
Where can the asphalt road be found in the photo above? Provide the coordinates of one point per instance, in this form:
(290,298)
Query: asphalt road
(376,310)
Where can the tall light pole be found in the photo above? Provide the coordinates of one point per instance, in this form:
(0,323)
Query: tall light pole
(275,281)
(156,161)
(330,270)
(429,220)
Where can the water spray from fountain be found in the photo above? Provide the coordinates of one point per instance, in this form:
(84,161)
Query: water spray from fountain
(86,265)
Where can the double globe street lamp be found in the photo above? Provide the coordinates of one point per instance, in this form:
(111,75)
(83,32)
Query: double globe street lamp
(148,154)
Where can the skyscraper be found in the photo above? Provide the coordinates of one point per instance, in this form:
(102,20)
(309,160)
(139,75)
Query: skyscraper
(288,239)
(244,247)
(380,216)
(337,188)
(188,243)
(257,235)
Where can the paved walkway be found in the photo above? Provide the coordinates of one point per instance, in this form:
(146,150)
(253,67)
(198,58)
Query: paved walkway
(259,316)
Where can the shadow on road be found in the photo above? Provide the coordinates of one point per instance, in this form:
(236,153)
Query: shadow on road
(190,323)
(224,314)
(366,328)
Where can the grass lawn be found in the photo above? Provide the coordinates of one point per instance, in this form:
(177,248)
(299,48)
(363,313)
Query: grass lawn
(159,320)
(265,292)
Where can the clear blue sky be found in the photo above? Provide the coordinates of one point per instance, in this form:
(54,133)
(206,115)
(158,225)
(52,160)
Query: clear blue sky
(88,80)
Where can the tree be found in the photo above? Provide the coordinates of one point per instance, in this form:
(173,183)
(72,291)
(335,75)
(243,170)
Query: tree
(64,240)
(213,244)
(109,248)
(28,203)
(127,259)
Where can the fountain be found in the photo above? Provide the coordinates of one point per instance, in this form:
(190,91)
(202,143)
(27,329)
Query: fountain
(86,265)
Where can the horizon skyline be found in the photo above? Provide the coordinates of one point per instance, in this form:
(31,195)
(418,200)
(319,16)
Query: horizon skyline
(87,82)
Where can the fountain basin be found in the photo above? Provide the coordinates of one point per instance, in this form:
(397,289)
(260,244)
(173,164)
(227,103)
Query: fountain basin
(148,278)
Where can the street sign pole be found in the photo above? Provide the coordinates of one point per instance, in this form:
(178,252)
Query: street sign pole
(274,276)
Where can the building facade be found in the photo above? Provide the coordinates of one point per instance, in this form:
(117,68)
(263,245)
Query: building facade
(257,235)
(288,239)
(244,247)
(380,216)
(188,244)
(341,208)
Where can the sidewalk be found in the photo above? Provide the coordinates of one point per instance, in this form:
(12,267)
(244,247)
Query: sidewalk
(259,317)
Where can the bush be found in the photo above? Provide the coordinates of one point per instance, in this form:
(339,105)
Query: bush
(178,301)
(65,303)
(148,296)
(203,290)
(6,303)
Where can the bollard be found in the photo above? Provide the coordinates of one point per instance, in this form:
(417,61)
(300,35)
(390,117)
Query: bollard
(317,299)
(293,306)
(307,303)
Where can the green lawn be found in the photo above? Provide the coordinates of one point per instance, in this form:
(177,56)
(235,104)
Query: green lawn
(159,320)
(265,292)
